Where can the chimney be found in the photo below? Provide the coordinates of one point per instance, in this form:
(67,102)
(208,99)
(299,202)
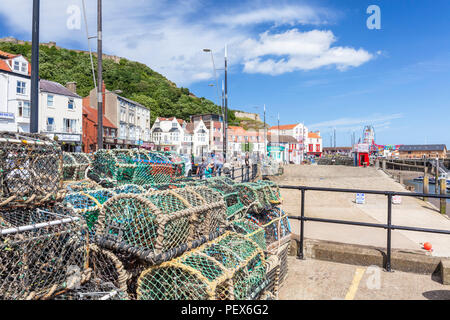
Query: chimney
(72,86)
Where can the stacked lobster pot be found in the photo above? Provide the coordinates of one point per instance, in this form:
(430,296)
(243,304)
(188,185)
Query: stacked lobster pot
(266,220)
(147,229)
(227,268)
(226,187)
(87,203)
(112,168)
(43,246)
(75,166)
(31,170)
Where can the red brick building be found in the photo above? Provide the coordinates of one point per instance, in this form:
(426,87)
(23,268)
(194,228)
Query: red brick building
(90,124)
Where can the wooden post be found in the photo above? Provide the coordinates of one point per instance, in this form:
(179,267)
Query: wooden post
(400,178)
(437,175)
(384,164)
(443,184)
(377,164)
(426,184)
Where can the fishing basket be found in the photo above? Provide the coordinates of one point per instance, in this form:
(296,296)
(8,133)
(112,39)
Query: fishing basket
(75,166)
(30,170)
(159,225)
(130,166)
(43,252)
(227,268)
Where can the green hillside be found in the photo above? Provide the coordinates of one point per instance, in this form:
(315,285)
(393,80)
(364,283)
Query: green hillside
(137,81)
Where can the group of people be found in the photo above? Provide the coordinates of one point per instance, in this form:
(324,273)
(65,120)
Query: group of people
(214,166)
(208,169)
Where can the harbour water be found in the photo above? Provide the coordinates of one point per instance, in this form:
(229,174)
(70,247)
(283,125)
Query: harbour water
(433,188)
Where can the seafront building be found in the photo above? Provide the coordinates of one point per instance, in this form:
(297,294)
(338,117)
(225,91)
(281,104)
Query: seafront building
(314,144)
(15,87)
(131,118)
(172,134)
(60,114)
(300,132)
(423,151)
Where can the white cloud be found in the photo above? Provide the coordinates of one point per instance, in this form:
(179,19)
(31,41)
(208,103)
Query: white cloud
(299,51)
(288,14)
(169,36)
(377,120)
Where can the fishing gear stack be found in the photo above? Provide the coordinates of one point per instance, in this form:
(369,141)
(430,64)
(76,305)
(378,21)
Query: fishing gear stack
(43,246)
(126,224)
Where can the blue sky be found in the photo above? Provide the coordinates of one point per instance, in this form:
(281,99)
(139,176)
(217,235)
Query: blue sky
(314,62)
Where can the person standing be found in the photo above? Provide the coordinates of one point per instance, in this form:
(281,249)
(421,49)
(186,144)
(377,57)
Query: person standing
(202,168)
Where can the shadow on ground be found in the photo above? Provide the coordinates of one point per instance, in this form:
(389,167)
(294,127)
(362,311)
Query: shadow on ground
(437,295)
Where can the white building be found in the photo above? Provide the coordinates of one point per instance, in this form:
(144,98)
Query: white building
(131,118)
(172,134)
(60,114)
(15,72)
(314,144)
(300,132)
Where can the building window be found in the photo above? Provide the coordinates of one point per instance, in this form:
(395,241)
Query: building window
(70,104)
(24,67)
(69,125)
(123,131)
(21,87)
(123,114)
(16,66)
(50,124)
(50,100)
(24,109)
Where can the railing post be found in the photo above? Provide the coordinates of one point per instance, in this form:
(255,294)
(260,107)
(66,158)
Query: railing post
(389,231)
(242,174)
(302,227)
(232,174)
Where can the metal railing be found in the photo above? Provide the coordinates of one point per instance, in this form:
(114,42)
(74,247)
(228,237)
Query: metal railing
(240,174)
(388,226)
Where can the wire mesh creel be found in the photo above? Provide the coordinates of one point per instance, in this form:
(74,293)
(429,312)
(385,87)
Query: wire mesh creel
(108,279)
(43,252)
(87,203)
(160,225)
(30,170)
(75,166)
(227,268)
(130,166)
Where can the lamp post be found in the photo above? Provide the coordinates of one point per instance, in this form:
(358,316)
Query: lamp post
(226,103)
(34,116)
(100,78)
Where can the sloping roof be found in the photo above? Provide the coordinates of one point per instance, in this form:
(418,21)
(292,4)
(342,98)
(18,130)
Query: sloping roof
(92,115)
(131,101)
(313,135)
(281,138)
(6,55)
(4,66)
(423,147)
(284,127)
(56,88)
(190,128)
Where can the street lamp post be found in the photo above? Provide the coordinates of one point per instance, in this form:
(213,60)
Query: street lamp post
(34,116)
(100,78)
(226,103)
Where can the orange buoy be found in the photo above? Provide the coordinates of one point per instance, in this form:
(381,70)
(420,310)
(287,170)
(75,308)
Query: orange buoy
(427,246)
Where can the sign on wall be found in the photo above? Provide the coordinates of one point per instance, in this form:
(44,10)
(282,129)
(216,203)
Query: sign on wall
(7,115)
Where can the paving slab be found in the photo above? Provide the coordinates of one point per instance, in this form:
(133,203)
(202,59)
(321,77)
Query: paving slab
(323,280)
